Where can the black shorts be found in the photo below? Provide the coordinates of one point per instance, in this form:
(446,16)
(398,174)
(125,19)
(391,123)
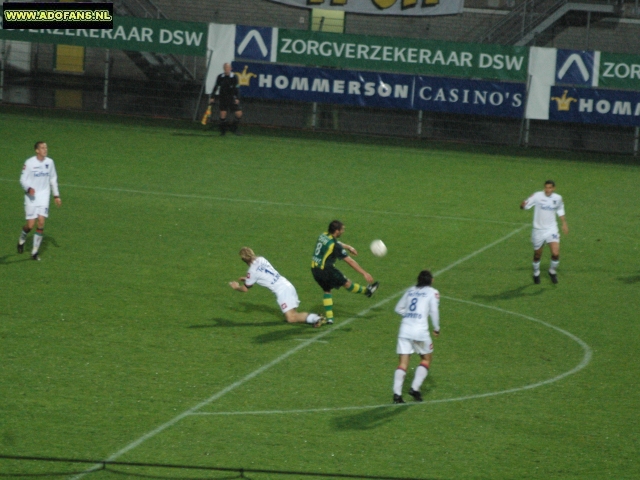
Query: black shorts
(229,104)
(329,278)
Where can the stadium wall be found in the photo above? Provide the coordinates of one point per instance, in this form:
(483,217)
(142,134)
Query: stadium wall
(619,35)
(131,93)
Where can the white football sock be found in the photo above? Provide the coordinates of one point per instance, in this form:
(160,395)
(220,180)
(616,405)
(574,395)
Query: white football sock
(536,268)
(313,318)
(37,240)
(554,266)
(23,237)
(398,380)
(421,374)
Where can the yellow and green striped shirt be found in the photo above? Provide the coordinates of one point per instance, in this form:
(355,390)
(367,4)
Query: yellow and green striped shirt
(327,251)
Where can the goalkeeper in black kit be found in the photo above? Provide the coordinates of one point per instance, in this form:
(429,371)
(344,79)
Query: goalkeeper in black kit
(227,95)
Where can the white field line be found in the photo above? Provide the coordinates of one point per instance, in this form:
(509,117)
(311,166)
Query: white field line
(586,358)
(282,357)
(277,204)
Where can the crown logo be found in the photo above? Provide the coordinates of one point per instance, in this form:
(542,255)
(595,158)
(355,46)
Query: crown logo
(564,102)
(244,78)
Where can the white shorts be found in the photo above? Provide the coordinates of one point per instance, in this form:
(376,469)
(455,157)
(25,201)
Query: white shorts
(406,346)
(287,298)
(35,212)
(540,237)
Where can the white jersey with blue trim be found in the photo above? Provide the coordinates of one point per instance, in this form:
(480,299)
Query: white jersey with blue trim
(416,306)
(263,273)
(42,177)
(546,209)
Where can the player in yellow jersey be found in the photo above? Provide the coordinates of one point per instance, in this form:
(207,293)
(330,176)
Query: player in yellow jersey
(328,250)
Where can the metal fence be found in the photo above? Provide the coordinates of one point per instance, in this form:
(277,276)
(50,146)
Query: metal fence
(112,86)
(444,127)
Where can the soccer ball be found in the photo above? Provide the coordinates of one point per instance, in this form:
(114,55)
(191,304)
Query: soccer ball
(378,248)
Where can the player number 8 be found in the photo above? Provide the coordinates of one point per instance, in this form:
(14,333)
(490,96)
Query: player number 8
(413,305)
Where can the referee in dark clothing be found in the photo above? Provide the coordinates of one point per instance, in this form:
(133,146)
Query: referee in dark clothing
(227,95)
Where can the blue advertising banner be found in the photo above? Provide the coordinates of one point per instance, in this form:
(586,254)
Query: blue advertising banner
(448,95)
(590,105)
(577,67)
(386,90)
(255,43)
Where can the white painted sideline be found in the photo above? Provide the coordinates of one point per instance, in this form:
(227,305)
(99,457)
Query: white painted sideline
(277,204)
(282,357)
(586,358)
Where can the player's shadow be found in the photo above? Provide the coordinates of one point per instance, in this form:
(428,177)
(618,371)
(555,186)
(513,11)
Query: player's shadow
(260,310)
(630,280)
(26,256)
(22,258)
(224,322)
(298,330)
(185,134)
(368,419)
(519,292)
(46,242)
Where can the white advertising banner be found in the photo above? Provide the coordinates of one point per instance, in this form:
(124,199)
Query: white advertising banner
(221,48)
(542,74)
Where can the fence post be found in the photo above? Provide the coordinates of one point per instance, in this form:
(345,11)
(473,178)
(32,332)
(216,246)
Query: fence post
(314,115)
(524,17)
(204,84)
(588,29)
(636,141)
(105,96)
(419,123)
(2,54)
(524,125)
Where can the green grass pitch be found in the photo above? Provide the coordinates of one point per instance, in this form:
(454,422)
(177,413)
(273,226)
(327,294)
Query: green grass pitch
(127,329)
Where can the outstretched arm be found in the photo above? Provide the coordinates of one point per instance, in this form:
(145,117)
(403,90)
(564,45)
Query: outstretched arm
(353,264)
(349,248)
(240,287)
(527,203)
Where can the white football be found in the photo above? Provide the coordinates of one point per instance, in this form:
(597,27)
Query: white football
(378,248)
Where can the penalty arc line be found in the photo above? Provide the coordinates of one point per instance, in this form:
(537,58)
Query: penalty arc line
(276,361)
(586,358)
(278,204)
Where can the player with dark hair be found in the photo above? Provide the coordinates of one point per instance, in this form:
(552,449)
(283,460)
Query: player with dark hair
(226,93)
(38,180)
(416,306)
(547,205)
(326,252)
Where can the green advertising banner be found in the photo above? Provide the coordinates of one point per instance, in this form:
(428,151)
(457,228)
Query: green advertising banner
(406,55)
(619,71)
(128,33)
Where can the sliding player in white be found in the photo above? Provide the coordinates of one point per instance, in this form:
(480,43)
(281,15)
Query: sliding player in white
(263,273)
(547,205)
(38,178)
(416,306)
